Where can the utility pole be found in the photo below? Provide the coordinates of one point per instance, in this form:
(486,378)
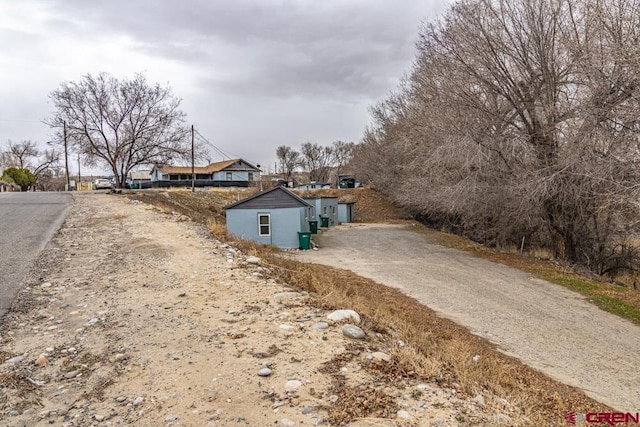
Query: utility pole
(66,157)
(193,159)
(79,176)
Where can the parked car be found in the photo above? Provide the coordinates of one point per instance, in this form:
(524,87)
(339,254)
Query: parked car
(102,183)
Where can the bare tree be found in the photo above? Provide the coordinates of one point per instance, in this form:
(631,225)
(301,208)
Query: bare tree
(520,119)
(26,155)
(342,154)
(19,154)
(120,123)
(289,160)
(318,161)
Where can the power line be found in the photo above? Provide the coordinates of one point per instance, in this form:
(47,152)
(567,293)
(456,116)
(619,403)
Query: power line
(225,154)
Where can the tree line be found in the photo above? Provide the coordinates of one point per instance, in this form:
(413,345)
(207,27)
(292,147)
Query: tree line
(316,161)
(519,124)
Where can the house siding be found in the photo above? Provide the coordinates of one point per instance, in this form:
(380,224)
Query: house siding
(285,225)
(324,206)
(345,212)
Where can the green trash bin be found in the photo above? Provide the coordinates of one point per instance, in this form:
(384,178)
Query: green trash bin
(324,221)
(313,227)
(304,240)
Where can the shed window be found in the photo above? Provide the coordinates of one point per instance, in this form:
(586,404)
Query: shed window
(250,176)
(264,224)
(229,176)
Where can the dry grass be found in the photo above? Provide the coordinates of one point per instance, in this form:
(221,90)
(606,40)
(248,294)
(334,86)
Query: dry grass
(427,347)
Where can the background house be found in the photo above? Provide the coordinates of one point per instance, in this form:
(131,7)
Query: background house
(314,186)
(274,217)
(228,173)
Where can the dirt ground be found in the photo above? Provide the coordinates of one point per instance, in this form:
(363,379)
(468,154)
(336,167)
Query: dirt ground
(546,326)
(135,316)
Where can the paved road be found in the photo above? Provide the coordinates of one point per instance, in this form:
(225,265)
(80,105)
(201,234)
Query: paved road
(546,326)
(27,222)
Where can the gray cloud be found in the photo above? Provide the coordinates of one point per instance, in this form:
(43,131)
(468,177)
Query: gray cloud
(270,48)
(254,74)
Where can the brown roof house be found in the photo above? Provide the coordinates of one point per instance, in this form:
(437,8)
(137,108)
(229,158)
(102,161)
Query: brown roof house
(227,173)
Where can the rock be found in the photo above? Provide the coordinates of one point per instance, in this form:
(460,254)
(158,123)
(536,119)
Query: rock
(479,400)
(138,401)
(308,409)
(72,374)
(14,413)
(378,355)
(292,386)
(476,358)
(120,357)
(264,372)
(286,422)
(254,260)
(282,296)
(340,315)
(171,418)
(352,331)
(98,417)
(120,399)
(402,414)
(437,422)
(46,285)
(287,328)
(501,419)
(16,359)
(320,325)
(41,360)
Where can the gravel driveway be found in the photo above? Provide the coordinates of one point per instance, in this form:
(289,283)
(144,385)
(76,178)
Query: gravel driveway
(546,326)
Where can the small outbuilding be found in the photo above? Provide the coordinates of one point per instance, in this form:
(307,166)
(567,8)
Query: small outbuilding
(324,207)
(274,217)
(346,212)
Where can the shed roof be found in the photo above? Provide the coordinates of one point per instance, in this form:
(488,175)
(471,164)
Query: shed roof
(276,197)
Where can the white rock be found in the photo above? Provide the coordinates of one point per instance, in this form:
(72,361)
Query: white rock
(287,328)
(402,414)
(16,359)
(352,331)
(479,400)
(501,419)
(320,325)
(264,372)
(254,260)
(292,386)
(340,315)
(138,401)
(282,296)
(378,355)
(286,422)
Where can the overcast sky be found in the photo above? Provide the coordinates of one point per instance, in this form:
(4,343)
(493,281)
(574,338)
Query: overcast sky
(252,74)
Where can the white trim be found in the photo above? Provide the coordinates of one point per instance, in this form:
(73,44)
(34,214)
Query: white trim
(260,225)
